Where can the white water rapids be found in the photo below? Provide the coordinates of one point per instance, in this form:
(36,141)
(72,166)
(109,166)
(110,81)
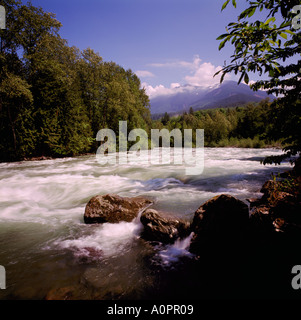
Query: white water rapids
(44,243)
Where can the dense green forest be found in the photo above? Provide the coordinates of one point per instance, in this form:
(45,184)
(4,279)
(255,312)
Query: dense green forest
(54,98)
(251,126)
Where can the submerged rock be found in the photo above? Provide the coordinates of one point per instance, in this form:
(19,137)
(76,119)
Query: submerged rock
(165,229)
(113,208)
(219,221)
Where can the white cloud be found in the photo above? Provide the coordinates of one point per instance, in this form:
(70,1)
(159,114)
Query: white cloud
(159,90)
(204,75)
(175,85)
(198,74)
(178,63)
(144,74)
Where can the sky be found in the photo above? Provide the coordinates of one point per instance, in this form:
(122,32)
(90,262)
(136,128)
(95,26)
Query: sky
(167,43)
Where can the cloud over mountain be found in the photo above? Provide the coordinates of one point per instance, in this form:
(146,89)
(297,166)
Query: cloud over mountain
(198,73)
(227,94)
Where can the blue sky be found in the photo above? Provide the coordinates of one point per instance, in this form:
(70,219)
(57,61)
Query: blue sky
(166,42)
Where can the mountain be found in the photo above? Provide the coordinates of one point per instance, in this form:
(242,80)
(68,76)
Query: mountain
(227,94)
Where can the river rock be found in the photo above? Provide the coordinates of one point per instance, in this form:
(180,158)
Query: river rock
(163,228)
(269,189)
(65,293)
(113,208)
(276,211)
(261,224)
(219,221)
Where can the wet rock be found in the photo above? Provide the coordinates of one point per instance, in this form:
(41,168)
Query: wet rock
(219,222)
(282,226)
(260,221)
(297,168)
(65,293)
(113,208)
(103,285)
(163,228)
(276,211)
(269,189)
(253,202)
(285,205)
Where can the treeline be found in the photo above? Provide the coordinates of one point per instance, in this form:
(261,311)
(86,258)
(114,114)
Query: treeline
(53,97)
(252,126)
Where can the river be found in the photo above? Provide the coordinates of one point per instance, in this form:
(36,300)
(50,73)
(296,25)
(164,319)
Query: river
(45,245)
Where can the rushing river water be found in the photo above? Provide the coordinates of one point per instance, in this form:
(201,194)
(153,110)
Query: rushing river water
(45,245)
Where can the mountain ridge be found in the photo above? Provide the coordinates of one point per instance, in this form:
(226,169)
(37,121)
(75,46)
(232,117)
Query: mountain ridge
(228,94)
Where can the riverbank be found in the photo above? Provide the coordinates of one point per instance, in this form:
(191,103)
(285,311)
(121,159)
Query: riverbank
(245,143)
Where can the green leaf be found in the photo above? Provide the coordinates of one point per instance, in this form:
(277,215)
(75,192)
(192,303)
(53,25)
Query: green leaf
(222,36)
(234,3)
(269,20)
(248,12)
(272,42)
(222,44)
(225,5)
(239,47)
(222,77)
(246,78)
(242,75)
(252,12)
(283,35)
(290,32)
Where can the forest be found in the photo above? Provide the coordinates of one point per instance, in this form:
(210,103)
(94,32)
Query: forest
(54,98)
(250,126)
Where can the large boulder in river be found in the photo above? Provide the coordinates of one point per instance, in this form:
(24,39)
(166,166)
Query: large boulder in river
(163,228)
(113,208)
(220,222)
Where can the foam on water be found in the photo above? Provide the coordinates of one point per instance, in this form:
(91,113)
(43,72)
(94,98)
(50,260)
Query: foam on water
(171,254)
(42,205)
(109,239)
